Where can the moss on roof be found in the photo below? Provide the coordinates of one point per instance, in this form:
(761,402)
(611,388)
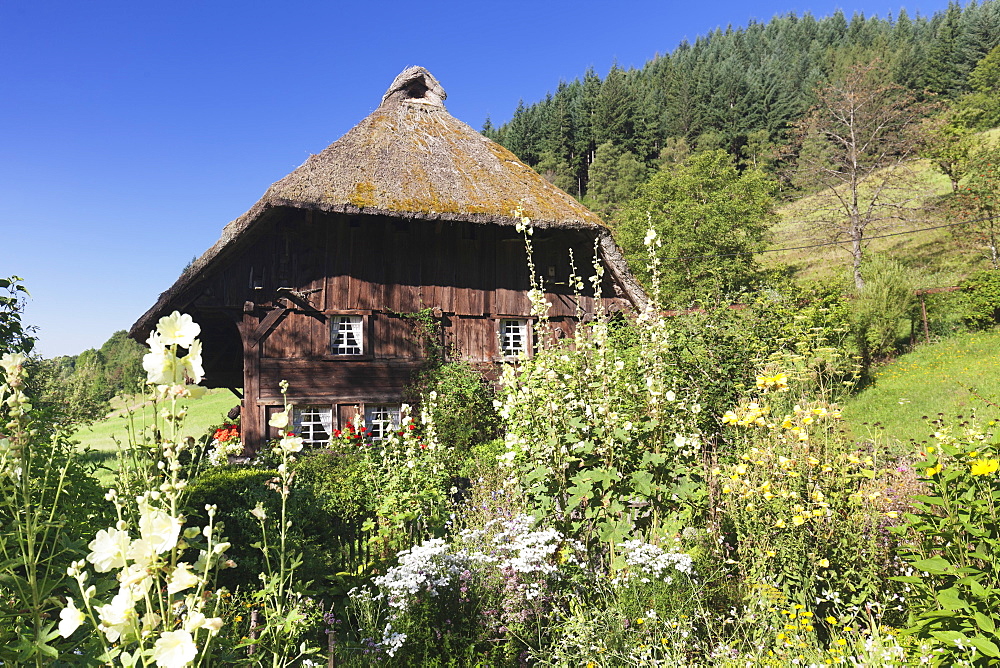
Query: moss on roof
(410,159)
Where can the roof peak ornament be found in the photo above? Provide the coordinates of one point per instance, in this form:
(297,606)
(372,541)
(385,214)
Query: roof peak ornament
(417,86)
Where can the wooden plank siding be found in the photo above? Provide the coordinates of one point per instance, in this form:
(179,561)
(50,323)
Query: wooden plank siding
(315,380)
(296,273)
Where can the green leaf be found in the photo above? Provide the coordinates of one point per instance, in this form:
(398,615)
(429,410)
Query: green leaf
(986,624)
(642,482)
(934,565)
(613,531)
(950,636)
(951,600)
(985,646)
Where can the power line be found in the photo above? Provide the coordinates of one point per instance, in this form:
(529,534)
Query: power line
(881,236)
(819,245)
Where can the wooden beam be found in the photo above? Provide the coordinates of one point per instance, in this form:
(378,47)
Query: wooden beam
(251,420)
(266,325)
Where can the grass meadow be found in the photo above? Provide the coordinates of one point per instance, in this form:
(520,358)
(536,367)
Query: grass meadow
(951,377)
(102,438)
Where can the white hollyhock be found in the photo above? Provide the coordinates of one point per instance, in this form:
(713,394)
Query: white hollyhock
(159,528)
(178,328)
(174,649)
(12,363)
(182,578)
(159,363)
(107,550)
(192,363)
(118,618)
(70,619)
(279,420)
(291,443)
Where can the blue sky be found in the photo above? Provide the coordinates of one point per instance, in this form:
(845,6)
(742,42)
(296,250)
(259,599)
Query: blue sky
(132,132)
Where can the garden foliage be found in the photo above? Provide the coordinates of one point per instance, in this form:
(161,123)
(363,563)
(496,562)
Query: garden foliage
(664,491)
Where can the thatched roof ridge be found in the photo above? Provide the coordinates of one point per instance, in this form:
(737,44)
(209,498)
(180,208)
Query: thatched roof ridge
(408,159)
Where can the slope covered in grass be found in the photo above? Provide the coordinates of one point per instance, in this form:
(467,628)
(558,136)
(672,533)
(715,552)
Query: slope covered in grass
(934,252)
(202,413)
(943,377)
(102,437)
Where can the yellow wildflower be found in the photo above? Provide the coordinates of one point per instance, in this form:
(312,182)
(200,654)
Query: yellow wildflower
(985,466)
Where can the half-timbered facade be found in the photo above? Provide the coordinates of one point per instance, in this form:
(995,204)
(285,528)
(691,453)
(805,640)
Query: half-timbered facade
(410,211)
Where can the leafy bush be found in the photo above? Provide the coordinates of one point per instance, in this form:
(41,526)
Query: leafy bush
(237,490)
(886,298)
(463,411)
(954,585)
(49,500)
(982,298)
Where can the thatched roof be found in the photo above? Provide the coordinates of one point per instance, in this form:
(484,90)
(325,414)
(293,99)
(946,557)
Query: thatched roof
(411,159)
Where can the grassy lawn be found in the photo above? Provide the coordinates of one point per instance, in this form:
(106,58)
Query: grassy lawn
(944,377)
(103,437)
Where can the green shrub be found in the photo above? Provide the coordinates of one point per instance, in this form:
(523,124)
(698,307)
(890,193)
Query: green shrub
(876,311)
(339,485)
(954,547)
(463,414)
(235,491)
(982,298)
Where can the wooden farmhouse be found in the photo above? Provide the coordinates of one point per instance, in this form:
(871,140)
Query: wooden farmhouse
(410,210)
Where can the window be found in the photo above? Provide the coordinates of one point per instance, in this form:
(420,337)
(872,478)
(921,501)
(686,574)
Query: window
(513,337)
(347,335)
(381,420)
(313,423)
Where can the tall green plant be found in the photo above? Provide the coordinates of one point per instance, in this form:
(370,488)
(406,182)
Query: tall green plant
(600,442)
(46,498)
(885,299)
(953,546)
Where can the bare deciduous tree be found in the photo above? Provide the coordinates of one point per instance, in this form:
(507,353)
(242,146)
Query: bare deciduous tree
(856,147)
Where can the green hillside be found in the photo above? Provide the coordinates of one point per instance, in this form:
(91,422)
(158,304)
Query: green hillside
(951,377)
(934,253)
(103,436)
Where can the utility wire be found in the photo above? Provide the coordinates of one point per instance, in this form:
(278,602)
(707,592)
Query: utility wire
(819,245)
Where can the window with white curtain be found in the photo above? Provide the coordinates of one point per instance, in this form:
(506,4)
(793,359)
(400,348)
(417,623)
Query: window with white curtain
(313,423)
(381,420)
(347,335)
(513,337)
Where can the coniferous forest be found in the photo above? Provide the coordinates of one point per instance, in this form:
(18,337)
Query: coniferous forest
(740,90)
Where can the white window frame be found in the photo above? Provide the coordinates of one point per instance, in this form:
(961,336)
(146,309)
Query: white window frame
(313,423)
(381,420)
(343,328)
(508,331)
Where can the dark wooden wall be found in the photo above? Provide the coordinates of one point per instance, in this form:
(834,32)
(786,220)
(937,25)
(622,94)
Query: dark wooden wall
(312,265)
